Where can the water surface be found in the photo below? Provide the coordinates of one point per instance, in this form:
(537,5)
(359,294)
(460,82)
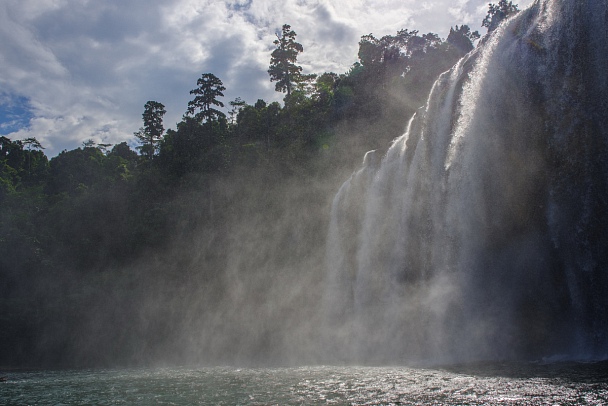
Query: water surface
(472,384)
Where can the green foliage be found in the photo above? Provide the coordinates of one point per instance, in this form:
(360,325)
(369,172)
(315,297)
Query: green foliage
(91,215)
(73,172)
(194,147)
(123,151)
(462,38)
(19,167)
(12,158)
(152,131)
(391,80)
(210,87)
(32,143)
(237,104)
(497,13)
(283,68)
(90,143)
(394,51)
(250,122)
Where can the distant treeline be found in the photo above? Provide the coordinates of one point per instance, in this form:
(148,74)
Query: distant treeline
(109,255)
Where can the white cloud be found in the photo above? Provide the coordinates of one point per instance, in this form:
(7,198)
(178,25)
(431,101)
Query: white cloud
(88,67)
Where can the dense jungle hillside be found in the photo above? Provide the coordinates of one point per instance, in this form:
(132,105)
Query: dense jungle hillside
(173,250)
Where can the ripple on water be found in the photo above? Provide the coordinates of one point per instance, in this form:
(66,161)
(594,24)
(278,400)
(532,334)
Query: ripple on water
(531,384)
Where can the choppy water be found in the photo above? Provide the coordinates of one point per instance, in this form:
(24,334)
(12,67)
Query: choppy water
(532,384)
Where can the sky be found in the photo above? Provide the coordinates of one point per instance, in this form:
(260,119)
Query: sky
(75,70)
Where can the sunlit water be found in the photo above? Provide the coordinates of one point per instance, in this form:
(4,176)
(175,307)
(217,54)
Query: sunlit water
(466,385)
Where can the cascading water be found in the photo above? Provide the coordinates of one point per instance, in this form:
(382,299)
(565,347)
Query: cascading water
(482,233)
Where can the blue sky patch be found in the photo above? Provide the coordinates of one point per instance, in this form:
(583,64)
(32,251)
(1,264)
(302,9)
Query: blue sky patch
(239,5)
(15,113)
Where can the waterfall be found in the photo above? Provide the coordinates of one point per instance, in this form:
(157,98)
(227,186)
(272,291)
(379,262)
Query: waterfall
(482,232)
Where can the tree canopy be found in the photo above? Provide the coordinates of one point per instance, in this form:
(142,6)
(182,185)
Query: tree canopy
(497,13)
(79,226)
(151,133)
(462,38)
(210,87)
(283,68)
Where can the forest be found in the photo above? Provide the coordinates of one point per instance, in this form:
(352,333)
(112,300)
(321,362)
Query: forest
(110,255)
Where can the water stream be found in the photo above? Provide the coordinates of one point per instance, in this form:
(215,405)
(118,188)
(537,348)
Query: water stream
(480,234)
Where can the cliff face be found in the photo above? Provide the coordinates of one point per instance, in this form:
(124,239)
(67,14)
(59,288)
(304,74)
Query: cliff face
(480,234)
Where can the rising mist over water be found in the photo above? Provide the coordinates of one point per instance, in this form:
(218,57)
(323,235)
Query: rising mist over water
(478,235)
(481,234)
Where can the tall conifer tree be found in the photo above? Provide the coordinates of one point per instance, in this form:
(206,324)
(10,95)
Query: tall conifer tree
(210,87)
(152,131)
(283,68)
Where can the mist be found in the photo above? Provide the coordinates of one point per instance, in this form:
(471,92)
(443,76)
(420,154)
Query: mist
(478,234)
(471,238)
